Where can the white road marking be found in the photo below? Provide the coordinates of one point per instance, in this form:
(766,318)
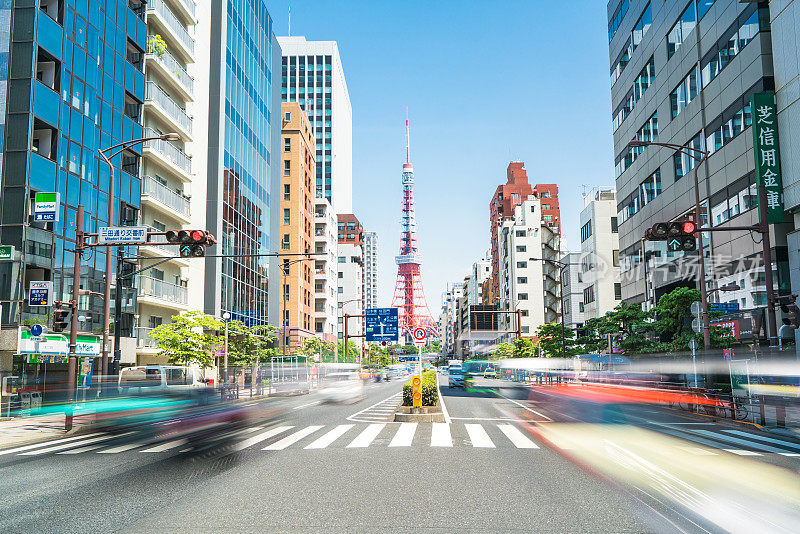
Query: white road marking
(794,454)
(81,449)
(314,403)
(440,435)
(404,435)
(517,438)
(125,447)
(697,451)
(367,435)
(731,439)
(167,446)
(522,406)
(260,437)
(787,444)
(329,437)
(441,401)
(741,452)
(68,445)
(478,436)
(292,438)
(355,416)
(46,443)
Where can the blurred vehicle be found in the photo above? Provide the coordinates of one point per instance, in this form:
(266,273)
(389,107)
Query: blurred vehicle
(342,387)
(455,374)
(490,372)
(151,378)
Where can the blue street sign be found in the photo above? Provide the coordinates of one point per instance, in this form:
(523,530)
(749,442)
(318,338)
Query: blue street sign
(724,307)
(380,324)
(36,330)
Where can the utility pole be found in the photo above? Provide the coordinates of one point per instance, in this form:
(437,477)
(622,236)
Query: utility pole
(73,326)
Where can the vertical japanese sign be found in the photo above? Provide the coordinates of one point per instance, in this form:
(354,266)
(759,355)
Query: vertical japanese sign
(766,153)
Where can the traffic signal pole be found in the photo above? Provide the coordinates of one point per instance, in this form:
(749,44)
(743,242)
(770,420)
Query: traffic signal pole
(772,327)
(702,260)
(73,325)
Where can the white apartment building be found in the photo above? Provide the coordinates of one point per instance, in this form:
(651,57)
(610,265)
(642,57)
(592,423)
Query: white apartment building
(481,271)
(600,253)
(370,270)
(325,269)
(312,76)
(168,173)
(526,283)
(350,289)
(573,286)
(448,316)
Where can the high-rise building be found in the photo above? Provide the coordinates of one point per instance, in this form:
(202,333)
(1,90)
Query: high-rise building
(326,267)
(168,169)
(449,317)
(480,274)
(75,83)
(684,73)
(297,209)
(312,76)
(573,287)
(350,288)
(370,270)
(243,166)
(599,261)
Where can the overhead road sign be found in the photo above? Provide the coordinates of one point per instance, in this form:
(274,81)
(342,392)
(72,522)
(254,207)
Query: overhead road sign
(46,207)
(115,235)
(380,324)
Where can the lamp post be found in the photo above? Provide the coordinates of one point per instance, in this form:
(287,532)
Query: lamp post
(226,317)
(119,147)
(562,266)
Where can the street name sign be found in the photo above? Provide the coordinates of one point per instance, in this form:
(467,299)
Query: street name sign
(46,207)
(724,307)
(115,235)
(6,252)
(40,294)
(380,324)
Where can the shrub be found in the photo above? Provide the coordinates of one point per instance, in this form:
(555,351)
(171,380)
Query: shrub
(430,395)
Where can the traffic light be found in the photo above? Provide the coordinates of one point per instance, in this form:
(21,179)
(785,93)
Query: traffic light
(61,319)
(791,313)
(679,235)
(192,243)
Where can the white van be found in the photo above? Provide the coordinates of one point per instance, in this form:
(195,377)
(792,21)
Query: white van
(146,378)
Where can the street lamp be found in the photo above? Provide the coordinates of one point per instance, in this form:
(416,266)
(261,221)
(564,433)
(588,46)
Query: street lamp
(561,293)
(119,147)
(227,317)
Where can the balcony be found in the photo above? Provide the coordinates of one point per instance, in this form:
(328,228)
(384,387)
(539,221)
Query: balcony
(162,15)
(160,293)
(169,155)
(170,69)
(185,9)
(143,339)
(165,198)
(159,103)
(162,250)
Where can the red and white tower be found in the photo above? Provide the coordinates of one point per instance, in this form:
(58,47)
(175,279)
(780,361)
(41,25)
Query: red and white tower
(409,297)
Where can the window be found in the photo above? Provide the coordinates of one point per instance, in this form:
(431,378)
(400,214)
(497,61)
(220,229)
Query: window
(522,296)
(615,258)
(519,233)
(287,116)
(523,313)
(521,248)
(522,279)
(703,6)
(287,167)
(340,289)
(287,144)
(545,194)
(525,329)
(614,227)
(615,21)
(735,38)
(618,291)
(683,162)
(547,218)
(522,264)
(621,62)
(287,216)
(586,231)
(737,198)
(730,124)
(588,295)
(683,27)
(648,132)
(342,259)
(686,91)
(580,307)
(285,243)
(161,227)
(545,206)
(649,189)
(642,25)
(287,189)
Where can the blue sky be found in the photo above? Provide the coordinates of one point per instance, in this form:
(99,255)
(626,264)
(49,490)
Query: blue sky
(485,83)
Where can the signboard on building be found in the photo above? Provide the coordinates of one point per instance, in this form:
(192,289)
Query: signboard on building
(52,347)
(766,153)
(46,207)
(40,293)
(114,235)
(380,324)
(6,252)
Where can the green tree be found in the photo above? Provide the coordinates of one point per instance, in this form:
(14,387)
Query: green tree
(351,356)
(550,340)
(504,350)
(191,337)
(265,338)
(523,348)
(673,313)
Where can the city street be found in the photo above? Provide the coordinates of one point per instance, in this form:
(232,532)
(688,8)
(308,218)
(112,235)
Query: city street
(499,464)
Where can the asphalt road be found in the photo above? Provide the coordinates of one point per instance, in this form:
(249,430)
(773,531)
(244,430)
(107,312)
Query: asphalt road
(507,460)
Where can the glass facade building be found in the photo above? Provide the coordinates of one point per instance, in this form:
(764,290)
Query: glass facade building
(75,85)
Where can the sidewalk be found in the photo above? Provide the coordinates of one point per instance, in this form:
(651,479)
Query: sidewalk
(21,430)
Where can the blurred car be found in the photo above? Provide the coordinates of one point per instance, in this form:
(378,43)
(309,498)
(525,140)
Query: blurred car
(152,378)
(342,387)
(490,372)
(455,375)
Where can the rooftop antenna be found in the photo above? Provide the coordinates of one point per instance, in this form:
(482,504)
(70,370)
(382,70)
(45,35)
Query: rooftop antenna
(408,140)
(290,20)
(584,186)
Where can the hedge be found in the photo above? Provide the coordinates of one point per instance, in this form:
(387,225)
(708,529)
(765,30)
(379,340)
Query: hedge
(430,394)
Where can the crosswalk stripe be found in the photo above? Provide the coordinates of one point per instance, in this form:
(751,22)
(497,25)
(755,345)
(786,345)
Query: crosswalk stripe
(329,437)
(478,436)
(404,435)
(697,451)
(260,437)
(786,444)
(731,439)
(742,452)
(79,450)
(46,443)
(167,446)
(123,448)
(367,435)
(292,438)
(440,435)
(75,444)
(792,454)
(517,438)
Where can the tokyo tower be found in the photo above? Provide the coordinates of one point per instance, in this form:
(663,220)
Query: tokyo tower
(409,297)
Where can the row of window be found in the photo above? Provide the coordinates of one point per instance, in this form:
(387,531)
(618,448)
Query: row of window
(635,38)
(640,85)
(648,132)
(648,190)
(586,231)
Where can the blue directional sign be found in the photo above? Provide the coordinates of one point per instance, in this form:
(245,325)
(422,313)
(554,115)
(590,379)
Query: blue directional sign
(380,324)
(724,307)
(36,330)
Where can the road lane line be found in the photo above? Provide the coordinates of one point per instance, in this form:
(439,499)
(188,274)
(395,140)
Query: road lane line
(46,443)
(306,405)
(741,452)
(367,435)
(786,444)
(404,435)
(167,446)
(292,438)
(440,435)
(478,436)
(792,454)
(441,401)
(731,439)
(329,437)
(522,406)
(697,451)
(81,449)
(125,447)
(258,438)
(517,438)
(77,444)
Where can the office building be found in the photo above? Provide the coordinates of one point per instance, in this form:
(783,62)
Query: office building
(350,281)
(450,298)
(243,167)
(370,270)
(75,71)
(599,261)
(168,169)
(297,208)
(326,298)
(573,287)
(312,76)
(684,73)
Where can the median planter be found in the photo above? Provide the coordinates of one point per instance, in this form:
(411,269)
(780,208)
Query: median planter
(420,414)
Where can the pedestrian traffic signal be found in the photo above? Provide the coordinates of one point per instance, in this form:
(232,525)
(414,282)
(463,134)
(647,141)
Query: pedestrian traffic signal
(679,235)
(61,319)
(791,313)
(192,243)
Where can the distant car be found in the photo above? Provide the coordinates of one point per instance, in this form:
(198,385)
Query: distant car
(342,387)
(153,378)
(490,373)
(455,376)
